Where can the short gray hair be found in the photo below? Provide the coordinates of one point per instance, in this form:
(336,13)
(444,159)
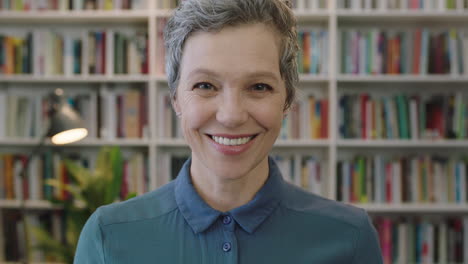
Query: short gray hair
(214,15)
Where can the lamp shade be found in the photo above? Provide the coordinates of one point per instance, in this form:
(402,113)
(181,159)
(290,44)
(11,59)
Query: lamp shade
(66,125)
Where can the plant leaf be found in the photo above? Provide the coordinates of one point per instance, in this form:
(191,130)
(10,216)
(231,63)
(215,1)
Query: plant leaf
(116,167)
(79,173)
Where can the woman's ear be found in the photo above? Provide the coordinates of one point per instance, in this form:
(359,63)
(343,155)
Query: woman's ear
(286,111)
(176,106)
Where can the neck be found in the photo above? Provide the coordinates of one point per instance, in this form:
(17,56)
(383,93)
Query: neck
(225,193)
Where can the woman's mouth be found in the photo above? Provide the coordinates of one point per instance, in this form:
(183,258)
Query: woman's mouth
(232,141)
(232,144)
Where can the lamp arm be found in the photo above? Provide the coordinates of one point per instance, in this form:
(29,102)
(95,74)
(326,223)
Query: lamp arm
(35,151)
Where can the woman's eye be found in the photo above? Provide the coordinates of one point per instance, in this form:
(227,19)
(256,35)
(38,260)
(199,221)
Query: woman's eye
(261,87)
(203,86)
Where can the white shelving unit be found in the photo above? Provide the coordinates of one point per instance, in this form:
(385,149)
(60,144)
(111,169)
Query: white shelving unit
(415,208)
(331,19)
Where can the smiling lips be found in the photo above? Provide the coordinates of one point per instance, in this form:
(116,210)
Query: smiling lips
(232,145)
(231,141)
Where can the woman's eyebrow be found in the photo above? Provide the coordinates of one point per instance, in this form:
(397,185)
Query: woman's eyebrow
(250,75)
(203,71)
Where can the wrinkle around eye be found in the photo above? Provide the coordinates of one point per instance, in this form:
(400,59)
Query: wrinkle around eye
(208,90)
(266,87)
(206,85)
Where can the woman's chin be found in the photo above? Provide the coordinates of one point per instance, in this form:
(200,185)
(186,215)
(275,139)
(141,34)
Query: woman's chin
(230,174)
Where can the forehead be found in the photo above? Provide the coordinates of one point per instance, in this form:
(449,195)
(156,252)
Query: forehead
(233,51)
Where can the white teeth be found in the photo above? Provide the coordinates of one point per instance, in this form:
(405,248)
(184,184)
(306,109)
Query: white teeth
(231,142)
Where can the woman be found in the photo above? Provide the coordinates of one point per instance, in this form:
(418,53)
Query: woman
(232,74)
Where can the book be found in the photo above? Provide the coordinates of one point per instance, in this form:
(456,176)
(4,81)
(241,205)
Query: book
(132,113)
(313,53)
(402,179)
(403,116)
(3,114)
(418,51)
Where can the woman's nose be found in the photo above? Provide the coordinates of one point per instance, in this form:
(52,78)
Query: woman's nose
(231,110)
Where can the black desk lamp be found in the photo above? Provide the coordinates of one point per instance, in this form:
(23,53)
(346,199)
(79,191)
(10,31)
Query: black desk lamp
(65,127)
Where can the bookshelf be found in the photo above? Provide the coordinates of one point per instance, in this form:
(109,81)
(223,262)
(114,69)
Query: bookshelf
(332,17)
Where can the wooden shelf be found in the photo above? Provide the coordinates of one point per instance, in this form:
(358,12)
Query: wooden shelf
(439,78)
(10,262)
(320,15)
(30,142)
(390,143)
(313,78)
(29,204)
(70,17)
(401,16)
(171,142)
(29,78)
(301,143)
(163,13)
(418,208)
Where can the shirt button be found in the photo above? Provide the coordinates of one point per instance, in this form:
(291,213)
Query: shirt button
(227,247)
(227,220)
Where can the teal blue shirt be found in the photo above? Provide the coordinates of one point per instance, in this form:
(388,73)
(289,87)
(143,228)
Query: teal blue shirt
(282,224)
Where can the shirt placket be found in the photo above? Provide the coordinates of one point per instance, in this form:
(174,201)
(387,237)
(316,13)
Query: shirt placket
(229,246)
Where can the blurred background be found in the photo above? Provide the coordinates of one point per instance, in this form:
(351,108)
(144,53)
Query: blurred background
(381,121)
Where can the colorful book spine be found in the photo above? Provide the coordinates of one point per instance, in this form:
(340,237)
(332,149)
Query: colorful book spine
(414,179)
(307,119)
(313,53)
(426,240)
(403,116)
(68,5)
(62,52)
(419,51)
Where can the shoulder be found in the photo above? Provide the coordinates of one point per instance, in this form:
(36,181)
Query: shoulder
(307,204)
(150,205)
(343,223)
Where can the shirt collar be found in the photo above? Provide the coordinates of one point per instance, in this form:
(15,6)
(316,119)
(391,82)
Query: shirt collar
(199,215)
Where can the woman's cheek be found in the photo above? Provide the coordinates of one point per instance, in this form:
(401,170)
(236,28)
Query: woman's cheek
(197,114)
(268,114)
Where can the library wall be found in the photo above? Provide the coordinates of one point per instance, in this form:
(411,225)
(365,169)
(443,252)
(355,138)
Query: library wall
(381,119)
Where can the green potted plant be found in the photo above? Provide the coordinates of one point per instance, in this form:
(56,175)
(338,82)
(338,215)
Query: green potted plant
(88,191)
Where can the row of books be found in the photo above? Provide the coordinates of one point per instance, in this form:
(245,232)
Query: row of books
(66,5)
(428,5)
(116,111)
(423,240)
(402,116)
(313,53)
(50,165)
(417,51)
(62,52)
(304,171)
(308,118)
(13,241)
(394,180)
(122,112)
(20,115)
(301,5)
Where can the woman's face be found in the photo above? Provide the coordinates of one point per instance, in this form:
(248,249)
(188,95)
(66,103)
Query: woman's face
(231,98)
